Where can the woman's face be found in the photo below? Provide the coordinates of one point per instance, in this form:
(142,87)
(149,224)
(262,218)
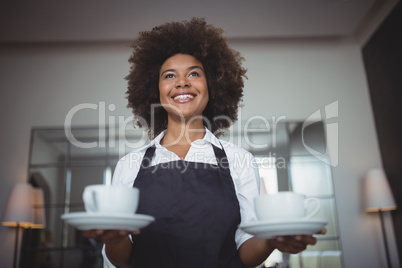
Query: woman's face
(183,87)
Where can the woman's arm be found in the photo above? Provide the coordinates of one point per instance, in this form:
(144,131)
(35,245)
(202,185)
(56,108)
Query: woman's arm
(255,251)
(117,245)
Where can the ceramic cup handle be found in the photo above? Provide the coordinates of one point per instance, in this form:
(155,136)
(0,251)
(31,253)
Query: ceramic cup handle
(316,206)
(89,200)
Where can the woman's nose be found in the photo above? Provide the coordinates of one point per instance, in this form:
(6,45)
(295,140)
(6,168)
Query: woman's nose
(182,82)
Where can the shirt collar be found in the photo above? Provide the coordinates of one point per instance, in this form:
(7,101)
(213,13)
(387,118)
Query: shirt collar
(158,139)
(209,137)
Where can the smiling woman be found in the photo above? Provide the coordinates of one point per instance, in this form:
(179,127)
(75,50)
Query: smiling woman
(186,84)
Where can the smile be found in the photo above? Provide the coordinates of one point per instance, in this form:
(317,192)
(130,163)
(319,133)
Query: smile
(183,97)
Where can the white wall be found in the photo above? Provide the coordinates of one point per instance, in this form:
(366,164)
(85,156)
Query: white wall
(39,84)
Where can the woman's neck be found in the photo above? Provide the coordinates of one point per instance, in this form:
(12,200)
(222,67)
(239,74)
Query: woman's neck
(183,133)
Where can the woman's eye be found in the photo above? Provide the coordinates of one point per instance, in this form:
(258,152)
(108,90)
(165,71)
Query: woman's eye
(194,74)
(169,76)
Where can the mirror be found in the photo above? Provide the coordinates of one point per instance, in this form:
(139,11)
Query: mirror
(63,162)
(292,157)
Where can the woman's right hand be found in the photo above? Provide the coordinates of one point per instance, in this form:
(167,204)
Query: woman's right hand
(117,244)
(109,236)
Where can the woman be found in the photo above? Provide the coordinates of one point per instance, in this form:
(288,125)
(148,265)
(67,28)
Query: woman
(185,86)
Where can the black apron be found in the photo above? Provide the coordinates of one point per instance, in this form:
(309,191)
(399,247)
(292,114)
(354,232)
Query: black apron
(196,214)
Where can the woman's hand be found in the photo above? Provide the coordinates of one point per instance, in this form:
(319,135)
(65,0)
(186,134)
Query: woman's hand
(117,244)
(109,236)
(255,250)
(295,243)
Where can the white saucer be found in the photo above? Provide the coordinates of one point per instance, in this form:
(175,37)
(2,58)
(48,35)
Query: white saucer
(107,221)
(273,228)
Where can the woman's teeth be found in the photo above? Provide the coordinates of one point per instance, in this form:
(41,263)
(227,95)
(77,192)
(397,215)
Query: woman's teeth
(182,97)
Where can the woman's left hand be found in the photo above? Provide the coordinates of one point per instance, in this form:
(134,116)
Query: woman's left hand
(295,243)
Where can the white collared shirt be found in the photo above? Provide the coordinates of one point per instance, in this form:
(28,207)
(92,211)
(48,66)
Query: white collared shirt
(243,169)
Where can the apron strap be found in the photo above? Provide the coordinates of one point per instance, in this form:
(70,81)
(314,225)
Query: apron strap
(221,158)
(146,160)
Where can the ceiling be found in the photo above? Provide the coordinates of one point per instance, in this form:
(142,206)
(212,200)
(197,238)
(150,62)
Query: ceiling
(105,20)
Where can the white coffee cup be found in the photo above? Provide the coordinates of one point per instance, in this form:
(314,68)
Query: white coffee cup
(285,206)
(110,199)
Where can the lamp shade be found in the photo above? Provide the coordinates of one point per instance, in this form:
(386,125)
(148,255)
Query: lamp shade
(378,192)
(19,210)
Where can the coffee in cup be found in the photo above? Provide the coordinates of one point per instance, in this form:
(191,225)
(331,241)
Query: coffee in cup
(110,199)
(285,206)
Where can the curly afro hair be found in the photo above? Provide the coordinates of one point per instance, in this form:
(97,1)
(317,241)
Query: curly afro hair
(203,41)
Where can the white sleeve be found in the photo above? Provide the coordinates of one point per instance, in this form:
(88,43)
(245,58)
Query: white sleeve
(116,179)
(105,259)
(127,169)
(247,182)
